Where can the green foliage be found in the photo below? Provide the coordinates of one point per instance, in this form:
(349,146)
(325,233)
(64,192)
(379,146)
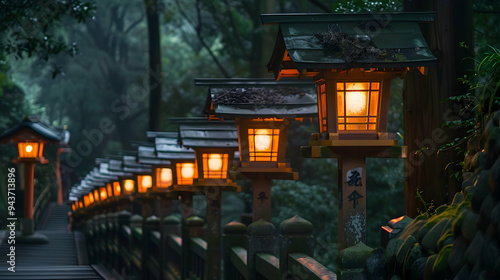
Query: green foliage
(315,203)
(480,101)
(358,6)
(429,208)
(28,26)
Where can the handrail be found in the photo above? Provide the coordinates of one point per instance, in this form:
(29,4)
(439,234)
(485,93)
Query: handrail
(301,264)
(41,200)
(199,247)
(175,242)
(239,260)
(268,265)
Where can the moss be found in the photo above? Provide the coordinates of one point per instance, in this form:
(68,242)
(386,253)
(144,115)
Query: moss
(441,209)
(445,238)
(350,48)
(441,264)
(420,217)
(449,213)
(457,223)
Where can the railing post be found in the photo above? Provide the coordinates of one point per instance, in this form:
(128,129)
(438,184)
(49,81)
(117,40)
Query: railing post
(102,246)
(192,227)
(151,224)
(136,222)
(295,237)
(122,240)
(171,225)
(234,236)
(170,260)
(112,254)
(261,239)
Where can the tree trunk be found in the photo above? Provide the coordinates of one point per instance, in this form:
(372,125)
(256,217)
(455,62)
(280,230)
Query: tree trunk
(427,108)
(154,65)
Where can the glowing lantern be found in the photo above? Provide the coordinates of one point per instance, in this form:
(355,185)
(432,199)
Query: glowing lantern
(117,190)
(128,185)
(96,195)
(73,206)
(91,197)
(30,150)
(163,177)
(144,182)
(86,200)
(185,173)
(103,194)
(109,190)
(215,166)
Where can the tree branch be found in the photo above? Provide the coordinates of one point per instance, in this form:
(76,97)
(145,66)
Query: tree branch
(197,28)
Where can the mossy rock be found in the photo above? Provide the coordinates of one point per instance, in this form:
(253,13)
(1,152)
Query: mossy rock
(430,240)
(456,226)
(458,198)
(404,249)
(414,254)
(449,213)
(420,217)
(441,266)
(429,265)
(446,239)
(441,209)
(412,229)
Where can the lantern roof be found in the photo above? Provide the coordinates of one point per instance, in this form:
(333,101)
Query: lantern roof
(130,165)
(31,129)
(147,155)
(201,133)
(309,42)
(260,98)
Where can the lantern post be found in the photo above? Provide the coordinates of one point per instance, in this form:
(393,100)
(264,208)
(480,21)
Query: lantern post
(214,144)
(352,59)
(30,137)
(263,110)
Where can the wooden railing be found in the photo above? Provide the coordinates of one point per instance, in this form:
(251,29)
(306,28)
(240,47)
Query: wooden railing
(41,203)
(154,248)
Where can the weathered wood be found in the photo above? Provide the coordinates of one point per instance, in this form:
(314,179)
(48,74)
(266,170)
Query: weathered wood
(425,108)
(199,247)
(302,266)
(268,265)
(239,260)
(352,201)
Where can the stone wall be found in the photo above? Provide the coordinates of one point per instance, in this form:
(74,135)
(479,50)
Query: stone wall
(460,241)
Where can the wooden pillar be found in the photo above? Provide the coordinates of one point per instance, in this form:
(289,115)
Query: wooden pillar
(29,197)
(352,201)
(261,186)
(213,262)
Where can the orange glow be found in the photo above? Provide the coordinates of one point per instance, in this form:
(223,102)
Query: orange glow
(145,182)
(86,200)
(96,195)
(103,193)
(163,177)
(109,190)
(91,197)
(357,105)
(185,173)
(263,144)
(215,166)
(80,204)
(73,207)
(116,188)
(30,149)
(395,220)
(129,185)
(214,162)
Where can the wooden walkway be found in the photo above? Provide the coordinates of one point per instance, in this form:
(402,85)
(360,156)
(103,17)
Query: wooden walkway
(55,260)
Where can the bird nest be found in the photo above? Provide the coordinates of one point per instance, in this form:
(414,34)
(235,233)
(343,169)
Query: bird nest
(255,95)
